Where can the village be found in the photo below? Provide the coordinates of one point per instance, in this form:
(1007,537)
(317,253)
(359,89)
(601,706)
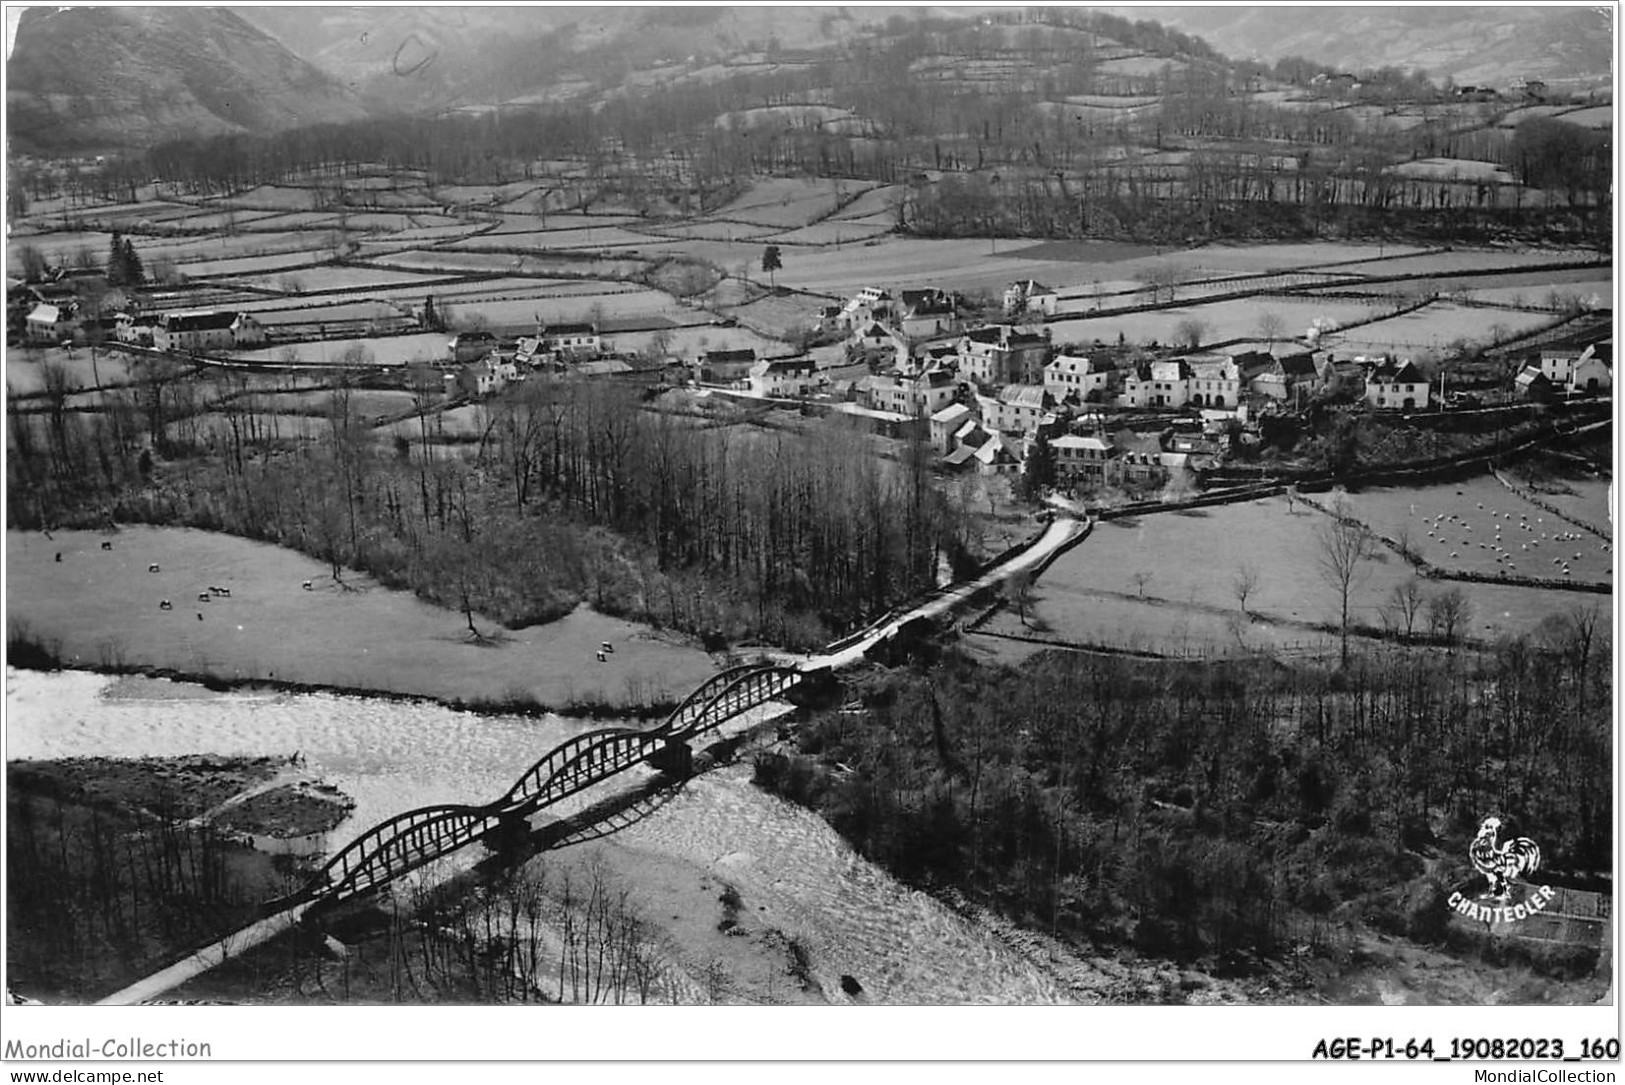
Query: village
(985,389)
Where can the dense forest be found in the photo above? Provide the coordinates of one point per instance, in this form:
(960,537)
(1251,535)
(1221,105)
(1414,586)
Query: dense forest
(572,492)
(1220,811)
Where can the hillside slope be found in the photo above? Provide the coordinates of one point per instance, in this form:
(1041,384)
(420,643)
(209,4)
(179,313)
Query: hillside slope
(1473,45)
(88,79)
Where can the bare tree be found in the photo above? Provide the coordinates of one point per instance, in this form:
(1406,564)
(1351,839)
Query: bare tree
(1243,583)
(1448,612)
(1189,332)
(1140,580)
(1270,327)
(1344,548)
(1404,606)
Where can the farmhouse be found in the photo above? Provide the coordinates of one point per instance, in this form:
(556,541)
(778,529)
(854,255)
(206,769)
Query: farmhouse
(1592,374)
(1030,296)
(1215,381)
(1070,377)
(195,332)
(1531,383)
(1085,459)
(917,395)
(927,313)
(570,339)
(725,366)
(49,323)
(468,347)
(1141,456)
(1396,386)
(1558,364)
(480,379)
(1000,354)
(1292,377)
(1157,384)
(135,330)
(1018,408)
(877,339)
(946,422)
(977,449)
(247,331)
(782,377)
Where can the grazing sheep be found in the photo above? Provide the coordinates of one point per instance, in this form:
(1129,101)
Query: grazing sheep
(106,545)
(306,585)
(165,604)
(202,597)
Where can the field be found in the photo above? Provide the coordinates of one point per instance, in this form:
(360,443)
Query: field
(103,605)
(1191,560)
(1481,527)
(23,368)
(1443,263)
(1453,169)
(1221,321)
(390,351)
(1434,328)
(1600,116)
(317,279)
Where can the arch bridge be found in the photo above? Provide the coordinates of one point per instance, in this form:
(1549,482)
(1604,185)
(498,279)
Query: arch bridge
(414,839)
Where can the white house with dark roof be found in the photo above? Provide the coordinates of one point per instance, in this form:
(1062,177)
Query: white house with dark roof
(778,377)
(1031,296)
(1396,386)
(195,332)
(1085,459)
(580,338)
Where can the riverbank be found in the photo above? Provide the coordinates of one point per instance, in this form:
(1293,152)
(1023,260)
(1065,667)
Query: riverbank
(118,865)
(97,608)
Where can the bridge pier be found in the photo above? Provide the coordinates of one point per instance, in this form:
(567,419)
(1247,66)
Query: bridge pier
(674,758)
(510,837)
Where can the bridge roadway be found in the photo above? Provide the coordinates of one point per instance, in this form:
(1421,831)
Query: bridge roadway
(415,838)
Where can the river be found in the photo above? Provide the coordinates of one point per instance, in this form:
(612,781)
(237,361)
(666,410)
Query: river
(391,756)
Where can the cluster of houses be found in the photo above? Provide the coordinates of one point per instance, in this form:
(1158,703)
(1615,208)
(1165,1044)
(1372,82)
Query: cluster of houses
(985,392)
(1588,371)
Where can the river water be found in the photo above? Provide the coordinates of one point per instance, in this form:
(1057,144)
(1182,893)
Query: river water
(391,757)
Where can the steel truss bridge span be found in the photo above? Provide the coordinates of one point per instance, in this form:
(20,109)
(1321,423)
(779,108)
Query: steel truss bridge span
(404,843)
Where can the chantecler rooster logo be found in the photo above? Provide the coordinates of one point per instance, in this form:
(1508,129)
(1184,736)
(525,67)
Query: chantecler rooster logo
(1501,863)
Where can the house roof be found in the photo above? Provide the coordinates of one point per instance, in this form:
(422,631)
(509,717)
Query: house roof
(1170,371)
(45,314)
(1397,373)
(1073,440)
(991,333)
(769,366)
(1023,395)
(951,413)
(931,296)
(1025,339)
(552,330)
(1031,287)
(716,357)
(959,456)
(1298,366)
(1529,375)
(199,322)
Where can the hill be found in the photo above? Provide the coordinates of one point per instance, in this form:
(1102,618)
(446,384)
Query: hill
(103,78)
(1564,46)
